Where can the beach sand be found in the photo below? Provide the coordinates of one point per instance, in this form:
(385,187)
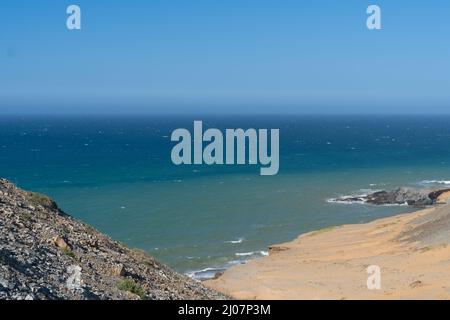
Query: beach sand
(412,251)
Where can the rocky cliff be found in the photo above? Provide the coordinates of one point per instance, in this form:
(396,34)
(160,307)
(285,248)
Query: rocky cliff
(46,254)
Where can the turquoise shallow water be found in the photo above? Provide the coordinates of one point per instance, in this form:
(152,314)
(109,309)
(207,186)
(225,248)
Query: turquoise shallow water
(115,173)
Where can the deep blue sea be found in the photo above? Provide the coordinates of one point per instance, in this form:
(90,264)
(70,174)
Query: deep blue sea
(115,173)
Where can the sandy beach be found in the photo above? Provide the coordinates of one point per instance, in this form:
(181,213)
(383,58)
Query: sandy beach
(412,251)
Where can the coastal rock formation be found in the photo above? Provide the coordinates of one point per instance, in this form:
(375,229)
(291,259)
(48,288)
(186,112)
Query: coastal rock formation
(46,254)
(409,196)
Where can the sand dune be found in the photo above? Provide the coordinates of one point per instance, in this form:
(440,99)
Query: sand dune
(412,251)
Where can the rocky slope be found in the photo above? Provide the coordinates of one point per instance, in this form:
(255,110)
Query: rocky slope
(46,254)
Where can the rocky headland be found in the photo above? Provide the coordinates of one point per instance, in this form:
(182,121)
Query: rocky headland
(47,254)
(401,196)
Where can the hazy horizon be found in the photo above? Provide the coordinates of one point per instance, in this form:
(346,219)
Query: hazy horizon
(224,57)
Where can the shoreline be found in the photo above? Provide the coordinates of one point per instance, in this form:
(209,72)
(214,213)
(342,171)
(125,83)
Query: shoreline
(411,249)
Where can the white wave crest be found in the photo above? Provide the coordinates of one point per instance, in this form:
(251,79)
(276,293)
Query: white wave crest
(446,182)
(239,240)
(359,197)
(245,254)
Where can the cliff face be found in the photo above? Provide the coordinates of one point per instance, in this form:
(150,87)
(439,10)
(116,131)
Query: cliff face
(46,254)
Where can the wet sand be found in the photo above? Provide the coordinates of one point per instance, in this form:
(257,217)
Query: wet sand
(412,251)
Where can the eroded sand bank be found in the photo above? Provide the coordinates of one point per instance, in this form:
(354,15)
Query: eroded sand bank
(412,251)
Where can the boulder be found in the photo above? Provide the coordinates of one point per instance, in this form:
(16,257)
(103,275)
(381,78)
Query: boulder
(61,243)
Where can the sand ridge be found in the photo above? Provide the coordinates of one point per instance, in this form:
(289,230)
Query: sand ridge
(332,263)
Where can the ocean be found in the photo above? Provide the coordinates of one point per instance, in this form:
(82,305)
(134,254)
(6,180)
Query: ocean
(115,173)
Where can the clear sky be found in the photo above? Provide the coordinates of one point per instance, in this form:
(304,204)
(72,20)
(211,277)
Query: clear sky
(224,56)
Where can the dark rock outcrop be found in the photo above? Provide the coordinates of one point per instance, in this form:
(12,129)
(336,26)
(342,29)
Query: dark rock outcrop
(409,196)
(46,254)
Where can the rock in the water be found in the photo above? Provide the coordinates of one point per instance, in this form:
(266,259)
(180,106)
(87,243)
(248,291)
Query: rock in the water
(408,196)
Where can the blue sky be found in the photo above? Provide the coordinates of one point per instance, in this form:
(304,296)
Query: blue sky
(308,56)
